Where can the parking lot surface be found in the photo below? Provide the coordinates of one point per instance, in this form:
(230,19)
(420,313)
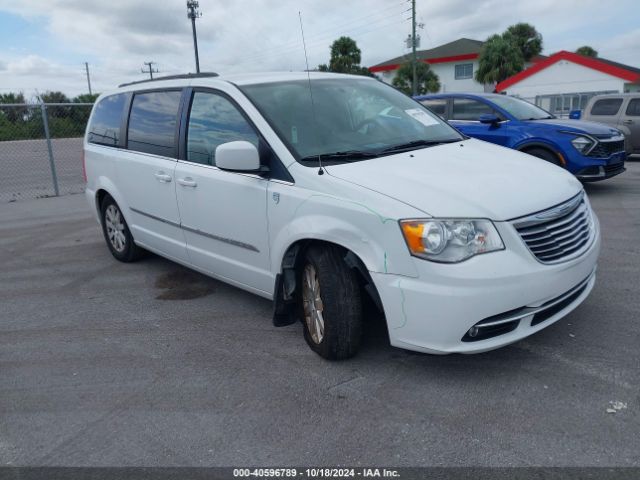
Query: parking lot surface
(109,364)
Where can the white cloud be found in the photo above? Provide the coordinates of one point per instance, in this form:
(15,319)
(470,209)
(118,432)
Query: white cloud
(258,35)
(622,48)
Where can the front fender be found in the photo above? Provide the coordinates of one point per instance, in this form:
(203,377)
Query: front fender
(370,234)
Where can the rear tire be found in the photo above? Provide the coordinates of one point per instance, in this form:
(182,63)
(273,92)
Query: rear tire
(545,154)
(116,232)
(330,303)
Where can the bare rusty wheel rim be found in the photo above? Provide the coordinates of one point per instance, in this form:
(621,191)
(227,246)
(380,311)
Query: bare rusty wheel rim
(312,303)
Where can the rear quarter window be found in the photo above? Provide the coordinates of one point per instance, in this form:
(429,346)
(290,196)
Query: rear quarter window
(104,128)
(633,109)
(606,106)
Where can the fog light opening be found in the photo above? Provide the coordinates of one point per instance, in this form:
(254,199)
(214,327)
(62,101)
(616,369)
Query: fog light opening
(473,332)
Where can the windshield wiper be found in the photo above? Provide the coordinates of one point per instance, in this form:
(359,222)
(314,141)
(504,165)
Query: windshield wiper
(417,144)
(342,156)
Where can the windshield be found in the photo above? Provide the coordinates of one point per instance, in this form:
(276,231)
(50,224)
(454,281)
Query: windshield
(355,119)
(520,109)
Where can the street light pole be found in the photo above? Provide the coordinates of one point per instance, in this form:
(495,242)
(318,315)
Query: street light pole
(193,13)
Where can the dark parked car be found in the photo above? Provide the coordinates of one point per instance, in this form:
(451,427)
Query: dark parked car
(591,151)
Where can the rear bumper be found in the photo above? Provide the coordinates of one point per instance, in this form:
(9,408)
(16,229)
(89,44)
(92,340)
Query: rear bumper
(435,312)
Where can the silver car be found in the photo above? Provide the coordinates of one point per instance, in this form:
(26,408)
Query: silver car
(620,110)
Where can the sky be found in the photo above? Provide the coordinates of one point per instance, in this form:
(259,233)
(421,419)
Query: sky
(44,43)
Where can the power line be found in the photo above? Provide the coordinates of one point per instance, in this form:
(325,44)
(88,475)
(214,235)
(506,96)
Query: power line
(150,70)
(360,31)
(329,34)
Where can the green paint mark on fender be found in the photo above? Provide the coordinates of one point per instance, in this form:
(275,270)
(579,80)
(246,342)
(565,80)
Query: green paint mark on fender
(404,313)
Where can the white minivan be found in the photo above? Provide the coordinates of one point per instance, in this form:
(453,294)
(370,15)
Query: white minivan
(324,191)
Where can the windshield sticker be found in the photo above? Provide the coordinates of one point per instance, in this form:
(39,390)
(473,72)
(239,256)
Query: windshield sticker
(421,116)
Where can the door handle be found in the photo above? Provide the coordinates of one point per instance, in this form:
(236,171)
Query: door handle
(187,182)
(163,177)
(628,122)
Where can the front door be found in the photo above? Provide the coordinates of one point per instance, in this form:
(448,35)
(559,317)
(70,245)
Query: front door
(465,115)
(224,214)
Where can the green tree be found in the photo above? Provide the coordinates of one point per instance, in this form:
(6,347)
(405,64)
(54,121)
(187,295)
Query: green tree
(13,114)
(345,55)
(345,58)
(55,97)
(427,80)
(499,60)
(86,98)
(526,38)
(587,51)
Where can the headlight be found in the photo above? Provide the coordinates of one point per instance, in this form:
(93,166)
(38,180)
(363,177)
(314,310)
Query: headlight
(450,241)
(582,144)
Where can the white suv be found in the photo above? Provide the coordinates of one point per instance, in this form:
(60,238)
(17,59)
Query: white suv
(318,192)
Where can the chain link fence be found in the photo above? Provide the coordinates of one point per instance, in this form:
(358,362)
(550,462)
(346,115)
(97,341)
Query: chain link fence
(41,149)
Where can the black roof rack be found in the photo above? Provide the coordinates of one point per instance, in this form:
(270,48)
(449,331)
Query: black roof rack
(173,77)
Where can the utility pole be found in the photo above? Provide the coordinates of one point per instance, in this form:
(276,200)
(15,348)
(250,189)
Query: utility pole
(414,82)
(149,69)
(193,13)
(86,67)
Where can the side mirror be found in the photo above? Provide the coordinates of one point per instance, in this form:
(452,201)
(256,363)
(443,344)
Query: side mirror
(489,118)
(240,156)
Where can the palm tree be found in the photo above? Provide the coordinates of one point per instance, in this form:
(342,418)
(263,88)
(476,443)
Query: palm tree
(526,38)
(587,51)
(345,55)
(427,80)
(345,58)
(498,60)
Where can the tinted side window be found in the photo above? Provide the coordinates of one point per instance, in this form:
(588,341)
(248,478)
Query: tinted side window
(152,123)
(214,120)
(467,109)
(606,106)
(105,123)
(633,109)
(437,106)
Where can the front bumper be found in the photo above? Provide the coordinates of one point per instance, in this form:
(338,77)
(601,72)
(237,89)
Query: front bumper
(602,172)
(435,312)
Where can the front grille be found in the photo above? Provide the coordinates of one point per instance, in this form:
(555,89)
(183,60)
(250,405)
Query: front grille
(606,149)
(559,233)
(613,169)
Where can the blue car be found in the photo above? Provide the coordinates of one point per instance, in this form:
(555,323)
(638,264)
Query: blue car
(591,151)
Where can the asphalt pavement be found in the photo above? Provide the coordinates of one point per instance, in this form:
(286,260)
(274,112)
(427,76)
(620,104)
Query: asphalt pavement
(150,364)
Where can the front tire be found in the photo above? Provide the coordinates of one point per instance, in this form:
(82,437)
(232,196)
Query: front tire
(330,303)
(116,232)
(545,154)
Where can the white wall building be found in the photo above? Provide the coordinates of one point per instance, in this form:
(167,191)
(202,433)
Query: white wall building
(566,81)
(455,63)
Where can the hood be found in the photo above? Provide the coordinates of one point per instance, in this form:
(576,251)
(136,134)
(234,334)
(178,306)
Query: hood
(466,179)
(578,126)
